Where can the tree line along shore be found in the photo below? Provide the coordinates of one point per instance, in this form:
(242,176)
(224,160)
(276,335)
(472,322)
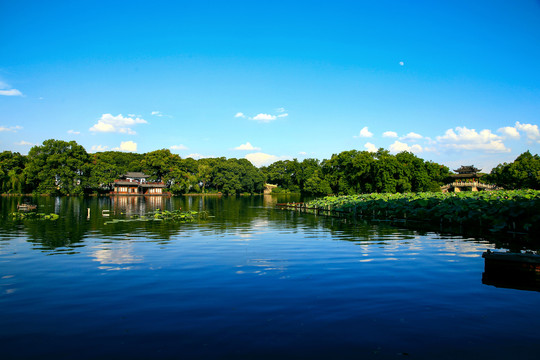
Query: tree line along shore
(65,168)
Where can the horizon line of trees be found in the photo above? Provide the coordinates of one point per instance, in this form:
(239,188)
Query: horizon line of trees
(60,168)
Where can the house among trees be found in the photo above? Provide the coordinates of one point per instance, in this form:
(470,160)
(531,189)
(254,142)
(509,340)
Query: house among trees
(135,183)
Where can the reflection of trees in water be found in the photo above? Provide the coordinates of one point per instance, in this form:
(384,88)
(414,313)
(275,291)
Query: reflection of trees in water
(241,216)
(68,230)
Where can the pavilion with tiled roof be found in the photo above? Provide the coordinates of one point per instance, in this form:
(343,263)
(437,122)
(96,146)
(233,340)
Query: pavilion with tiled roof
(135,183)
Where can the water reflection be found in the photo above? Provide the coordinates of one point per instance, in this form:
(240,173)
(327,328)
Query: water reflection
(119,257)
(250,282)
(244,217)
(137,205)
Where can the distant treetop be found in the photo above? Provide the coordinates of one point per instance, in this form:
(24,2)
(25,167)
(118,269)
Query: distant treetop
(470,169)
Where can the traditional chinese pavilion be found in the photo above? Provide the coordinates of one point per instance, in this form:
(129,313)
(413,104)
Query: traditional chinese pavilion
(135,183)
(467,172)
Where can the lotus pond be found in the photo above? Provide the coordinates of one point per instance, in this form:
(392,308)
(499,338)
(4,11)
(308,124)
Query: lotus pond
(516,211)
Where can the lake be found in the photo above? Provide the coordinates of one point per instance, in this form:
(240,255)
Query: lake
(249,282)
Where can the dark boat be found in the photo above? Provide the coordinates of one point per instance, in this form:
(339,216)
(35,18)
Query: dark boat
(512,270)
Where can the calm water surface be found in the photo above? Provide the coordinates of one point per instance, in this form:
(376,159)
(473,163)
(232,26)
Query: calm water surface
(250,282)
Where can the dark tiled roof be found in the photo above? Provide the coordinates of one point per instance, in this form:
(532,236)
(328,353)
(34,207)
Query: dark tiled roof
(467,169)
(135,175)
(137,184)
(126,183)
(466,175)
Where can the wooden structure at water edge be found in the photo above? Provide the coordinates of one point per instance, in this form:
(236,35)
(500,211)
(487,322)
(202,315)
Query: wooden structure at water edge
(328,210)
(526,262)
(26,207)
(512,270)
(135,183)
(268,188)
(467,177)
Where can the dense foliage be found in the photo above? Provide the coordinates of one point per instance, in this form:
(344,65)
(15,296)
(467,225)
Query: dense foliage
(354,172)
(523,173)
(163,215)
(61,168)
(506,210)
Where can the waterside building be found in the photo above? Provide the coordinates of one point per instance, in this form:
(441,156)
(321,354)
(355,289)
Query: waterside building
(135,183)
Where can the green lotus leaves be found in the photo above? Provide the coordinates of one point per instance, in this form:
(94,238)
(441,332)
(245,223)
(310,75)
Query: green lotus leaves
(23,215)
(498,211)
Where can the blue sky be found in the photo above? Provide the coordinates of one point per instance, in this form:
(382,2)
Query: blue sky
(456,82)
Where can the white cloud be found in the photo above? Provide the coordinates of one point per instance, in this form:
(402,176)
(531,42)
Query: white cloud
(178,147)
(261,159)
(303,153)
(370,147)
(10,129)
(264,118)
(11,92)
(364,133)
(532,131)
(509,132)
(73,132)
(128,146)
(198,156)
(398,146)
(429,141)
(120,124)
(6,90)
(98,148)
(159,113)
(247,146)
(412,136)
(468,139)
(390,134)
(24,143)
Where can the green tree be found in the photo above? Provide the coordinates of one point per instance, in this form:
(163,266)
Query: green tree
(315,185)
(12,177)
(523,173)
(414,173)
(386,173)
(350,172)
(204,174)
(283,173)
(252,179)
(438,175)
(58,167)
(159,164)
